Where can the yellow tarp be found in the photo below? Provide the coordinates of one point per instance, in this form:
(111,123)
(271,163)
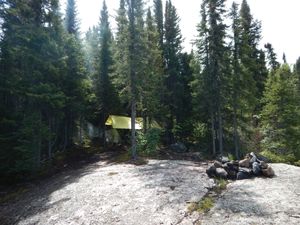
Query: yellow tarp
(123,122)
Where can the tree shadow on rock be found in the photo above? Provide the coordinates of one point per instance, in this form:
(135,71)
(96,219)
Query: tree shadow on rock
(241,201)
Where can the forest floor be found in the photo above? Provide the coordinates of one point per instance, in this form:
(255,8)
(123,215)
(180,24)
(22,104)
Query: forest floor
(159,192)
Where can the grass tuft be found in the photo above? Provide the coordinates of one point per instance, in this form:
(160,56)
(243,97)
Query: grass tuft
(203,206)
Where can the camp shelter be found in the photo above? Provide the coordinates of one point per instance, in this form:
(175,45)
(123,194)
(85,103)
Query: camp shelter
(123,122)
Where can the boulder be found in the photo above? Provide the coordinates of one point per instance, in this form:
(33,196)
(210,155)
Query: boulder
(211,171)
(243,175)
(256,169)
(218,164)
(263,165)
(231,168)
(221,173)
(223,159)
(268,172)
(245,163)
(253,158)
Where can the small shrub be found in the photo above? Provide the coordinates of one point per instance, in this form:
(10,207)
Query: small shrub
(200,131)
(205,204)
(221,185)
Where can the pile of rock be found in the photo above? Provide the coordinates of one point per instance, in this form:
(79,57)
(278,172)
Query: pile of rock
(247,168)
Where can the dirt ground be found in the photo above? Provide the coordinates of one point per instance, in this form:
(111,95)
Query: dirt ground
(156,193)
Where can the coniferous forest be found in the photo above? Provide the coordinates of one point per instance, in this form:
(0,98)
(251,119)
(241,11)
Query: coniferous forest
(228,96)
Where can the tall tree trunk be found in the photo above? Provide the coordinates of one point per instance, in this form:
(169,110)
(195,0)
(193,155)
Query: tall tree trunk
(220,130)
(213,133)
(80,130)
(103,130)
(236,136)
(50,138)
(65,136)
(133,136)
(39,140)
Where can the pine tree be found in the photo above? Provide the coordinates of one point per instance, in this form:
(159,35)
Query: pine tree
(172,50)
(151,84)
(105,92)
(249,55)
(272,57)
(74,78)
(71,21)
(136,60)
(280,115)
(236,72)
(262,72)
(159,21)
(91,42)
(32,60)
(284,58)
(297,66)
(121,54)
(203,88)
(212,48)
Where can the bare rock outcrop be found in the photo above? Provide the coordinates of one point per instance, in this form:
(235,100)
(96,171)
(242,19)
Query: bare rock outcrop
(260,200)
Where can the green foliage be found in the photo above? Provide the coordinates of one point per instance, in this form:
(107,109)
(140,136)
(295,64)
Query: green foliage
(297,163)
(215,96)
(221,185)
(200,131)
(206,204)
(43,92)
(279,158)
(280,114)
(203,206)
(71,22)
(148,143)
(159,18)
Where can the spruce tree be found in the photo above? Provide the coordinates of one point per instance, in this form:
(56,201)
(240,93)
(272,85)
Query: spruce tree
(236,72)
(213,50)
(106,96)
(91,48)
(272,57)
(280,114)
(159,21)
(172,50)
(33,59)
(249,54)
(75,76)
(135,61)
(71,21)
(151,84)
(203,90)
(121,54)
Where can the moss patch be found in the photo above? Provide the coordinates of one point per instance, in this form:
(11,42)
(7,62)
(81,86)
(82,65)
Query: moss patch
(208,201)
(203,206)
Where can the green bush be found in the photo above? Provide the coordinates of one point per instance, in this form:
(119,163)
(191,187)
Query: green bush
(297,163)
(278,158)
(149,142)
(200,131)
